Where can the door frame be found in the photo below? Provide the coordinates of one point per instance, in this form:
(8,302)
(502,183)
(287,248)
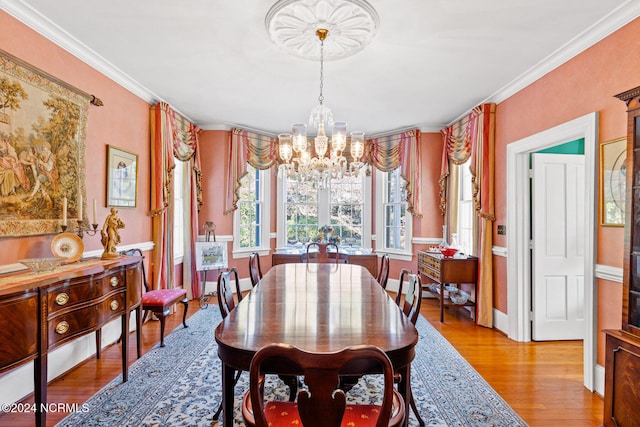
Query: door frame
(518,217)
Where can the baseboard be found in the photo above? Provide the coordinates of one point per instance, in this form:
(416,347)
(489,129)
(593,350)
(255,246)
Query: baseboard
(501,321)
(598,380)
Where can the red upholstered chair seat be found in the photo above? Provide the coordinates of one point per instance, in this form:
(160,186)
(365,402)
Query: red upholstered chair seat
(159,298)
(158,302)
(286,414)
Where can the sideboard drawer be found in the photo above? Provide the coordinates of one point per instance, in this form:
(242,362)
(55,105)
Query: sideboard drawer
(78,291)
(71,324)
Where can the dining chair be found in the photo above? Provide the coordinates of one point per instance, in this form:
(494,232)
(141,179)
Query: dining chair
(321,404)
(322,256)
(404,274)
(383,272)
(159,302)
(255,272)
(227,303)
(411,308)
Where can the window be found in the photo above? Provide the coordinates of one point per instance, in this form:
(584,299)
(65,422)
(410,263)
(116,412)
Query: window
(345,205)
(251,219)
(178,210)
(465,226)
(393,220)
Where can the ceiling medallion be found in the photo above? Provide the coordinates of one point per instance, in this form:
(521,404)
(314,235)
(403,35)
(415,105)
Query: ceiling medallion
(292,24)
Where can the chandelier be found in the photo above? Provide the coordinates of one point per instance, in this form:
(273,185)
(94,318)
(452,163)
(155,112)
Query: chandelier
(352,24)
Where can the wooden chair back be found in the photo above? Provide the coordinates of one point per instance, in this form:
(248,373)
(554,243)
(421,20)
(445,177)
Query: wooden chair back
(404,274)
(226,302)
(383,272)
(413,298)
(323,255)
(322,405)
(255,272)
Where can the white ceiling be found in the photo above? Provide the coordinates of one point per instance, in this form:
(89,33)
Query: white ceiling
(429,63)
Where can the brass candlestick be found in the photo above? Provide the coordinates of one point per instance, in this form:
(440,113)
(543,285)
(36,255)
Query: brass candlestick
(91,230)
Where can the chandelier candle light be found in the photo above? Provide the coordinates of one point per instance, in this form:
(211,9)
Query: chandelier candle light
(320,168)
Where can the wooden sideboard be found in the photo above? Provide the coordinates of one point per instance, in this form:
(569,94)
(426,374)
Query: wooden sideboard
(40,312)
(448,270)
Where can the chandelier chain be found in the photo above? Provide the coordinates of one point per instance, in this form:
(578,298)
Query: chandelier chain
(321,97)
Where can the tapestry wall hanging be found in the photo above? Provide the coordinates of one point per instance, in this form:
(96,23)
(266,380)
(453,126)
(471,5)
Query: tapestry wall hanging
(43,124)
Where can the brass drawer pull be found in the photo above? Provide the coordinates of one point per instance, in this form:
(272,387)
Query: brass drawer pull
(114,305)
(62,327)
(114,281)
(62,298)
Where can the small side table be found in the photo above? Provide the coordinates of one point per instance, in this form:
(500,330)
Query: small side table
(448,270)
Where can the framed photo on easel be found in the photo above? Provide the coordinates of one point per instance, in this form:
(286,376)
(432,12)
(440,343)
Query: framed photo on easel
(211,256)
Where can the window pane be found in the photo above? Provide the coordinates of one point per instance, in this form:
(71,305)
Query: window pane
(395,212)
(249,206)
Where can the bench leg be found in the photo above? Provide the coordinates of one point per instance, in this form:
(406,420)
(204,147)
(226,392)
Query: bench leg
(161,317)
(185,302)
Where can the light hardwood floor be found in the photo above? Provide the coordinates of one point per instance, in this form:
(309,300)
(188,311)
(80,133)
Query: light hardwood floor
(541,381)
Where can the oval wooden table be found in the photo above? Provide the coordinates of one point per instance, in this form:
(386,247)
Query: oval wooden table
(319,308)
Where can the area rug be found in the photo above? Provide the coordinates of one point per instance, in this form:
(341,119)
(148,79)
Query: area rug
(179,385)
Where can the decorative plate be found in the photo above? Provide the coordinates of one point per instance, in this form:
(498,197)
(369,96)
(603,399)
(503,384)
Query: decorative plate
(67,245)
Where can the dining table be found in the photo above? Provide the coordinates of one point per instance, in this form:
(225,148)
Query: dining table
(318,308)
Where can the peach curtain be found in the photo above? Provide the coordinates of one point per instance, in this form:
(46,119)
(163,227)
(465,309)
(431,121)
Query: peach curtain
(173,137)
(473,137)
(259,151)
(401,150)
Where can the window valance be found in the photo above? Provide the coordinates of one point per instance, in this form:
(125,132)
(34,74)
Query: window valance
(401,150)
(260,151)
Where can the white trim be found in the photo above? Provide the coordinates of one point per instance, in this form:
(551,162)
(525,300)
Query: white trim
(426,240)
(500,321)
(518,208)
(499,251)
(143,246)
(247,253)
(616,19)
(607,272)
(219,238)
(598,380)
(35,20)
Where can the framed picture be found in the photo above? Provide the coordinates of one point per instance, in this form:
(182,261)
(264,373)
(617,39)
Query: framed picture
(211,255)
(43,128)
(613,156)
(122,178)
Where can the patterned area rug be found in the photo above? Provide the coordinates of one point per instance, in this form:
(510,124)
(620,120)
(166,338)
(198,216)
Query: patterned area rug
(179,385)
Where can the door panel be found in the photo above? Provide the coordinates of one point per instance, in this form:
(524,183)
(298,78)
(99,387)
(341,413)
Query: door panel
(558,247)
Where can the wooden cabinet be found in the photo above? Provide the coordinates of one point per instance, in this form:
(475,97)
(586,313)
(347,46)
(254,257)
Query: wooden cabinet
(41,312)
(443,271)
(622,367)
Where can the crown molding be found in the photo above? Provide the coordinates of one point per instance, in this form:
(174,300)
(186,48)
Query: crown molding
(622,15)
(39,23)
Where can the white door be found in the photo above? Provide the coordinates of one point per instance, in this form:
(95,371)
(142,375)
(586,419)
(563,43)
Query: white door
(558,196)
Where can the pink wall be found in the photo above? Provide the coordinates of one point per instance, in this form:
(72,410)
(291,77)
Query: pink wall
(584,84)
(214,150)
(123,121)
